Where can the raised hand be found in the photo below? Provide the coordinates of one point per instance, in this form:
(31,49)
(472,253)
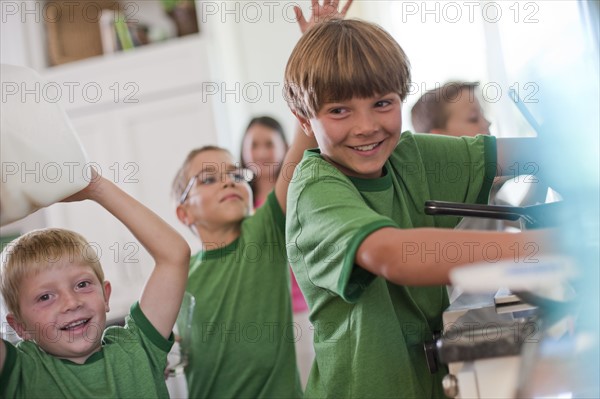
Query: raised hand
(90,190)
(320,13)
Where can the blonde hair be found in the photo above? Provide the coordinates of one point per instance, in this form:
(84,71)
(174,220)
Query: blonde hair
(340,59)
(181,177)
(41,250)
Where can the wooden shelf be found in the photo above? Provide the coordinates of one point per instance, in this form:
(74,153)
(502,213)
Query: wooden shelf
(89,28)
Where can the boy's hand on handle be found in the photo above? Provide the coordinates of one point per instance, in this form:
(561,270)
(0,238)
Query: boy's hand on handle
(321,13)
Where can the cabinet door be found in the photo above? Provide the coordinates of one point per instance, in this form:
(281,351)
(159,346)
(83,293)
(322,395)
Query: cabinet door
(140,148)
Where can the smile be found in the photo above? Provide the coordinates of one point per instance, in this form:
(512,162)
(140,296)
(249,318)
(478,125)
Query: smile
(75,324)
(367,147)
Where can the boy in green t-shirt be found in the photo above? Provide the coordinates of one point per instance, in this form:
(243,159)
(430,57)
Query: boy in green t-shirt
(370,263)
(242,335)
(54,289)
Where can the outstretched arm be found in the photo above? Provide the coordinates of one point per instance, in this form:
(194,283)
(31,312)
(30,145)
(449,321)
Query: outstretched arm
(163,293)
(417,256)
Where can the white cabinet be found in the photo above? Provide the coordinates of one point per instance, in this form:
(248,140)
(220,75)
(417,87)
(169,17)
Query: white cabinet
(138,144)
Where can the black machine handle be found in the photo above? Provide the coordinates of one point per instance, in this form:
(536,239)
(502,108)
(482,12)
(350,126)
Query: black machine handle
(542,215)
(484,211)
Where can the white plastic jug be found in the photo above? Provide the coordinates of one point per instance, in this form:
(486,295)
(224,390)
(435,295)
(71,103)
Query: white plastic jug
(41,156)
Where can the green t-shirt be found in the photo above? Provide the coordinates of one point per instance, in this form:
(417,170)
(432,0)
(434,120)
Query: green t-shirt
(130,365)
(369,333)
(242,341)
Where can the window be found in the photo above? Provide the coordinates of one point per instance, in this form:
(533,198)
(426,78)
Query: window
(508,46)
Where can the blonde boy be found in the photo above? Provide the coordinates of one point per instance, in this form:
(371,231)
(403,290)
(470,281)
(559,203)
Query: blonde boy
(367,258)
(57,299)
(243,336)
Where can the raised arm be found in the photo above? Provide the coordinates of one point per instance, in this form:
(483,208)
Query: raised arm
(320,13)
(425,256)
(163,293)
(302,142)
(292,158)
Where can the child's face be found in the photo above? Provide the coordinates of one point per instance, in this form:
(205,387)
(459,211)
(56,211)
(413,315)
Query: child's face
(465,117)
(263,147)
(358,135)
(219,203)
(63,309)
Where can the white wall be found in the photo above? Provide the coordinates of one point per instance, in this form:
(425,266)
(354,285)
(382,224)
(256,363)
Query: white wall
(250,42)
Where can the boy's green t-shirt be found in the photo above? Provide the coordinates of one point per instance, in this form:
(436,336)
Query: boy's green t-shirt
(242,341)
(369,333)
(130,365)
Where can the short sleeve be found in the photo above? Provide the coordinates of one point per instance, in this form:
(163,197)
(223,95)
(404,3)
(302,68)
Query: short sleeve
(327,221)
(149,331)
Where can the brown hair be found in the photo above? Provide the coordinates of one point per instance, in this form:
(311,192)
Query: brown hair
(429,112)
(272,124)
(265,121)
(40,250)
(340,59)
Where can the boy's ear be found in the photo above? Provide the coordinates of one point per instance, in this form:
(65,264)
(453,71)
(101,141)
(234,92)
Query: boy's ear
(182,215)
(18,326)
(107,292)
(304,124)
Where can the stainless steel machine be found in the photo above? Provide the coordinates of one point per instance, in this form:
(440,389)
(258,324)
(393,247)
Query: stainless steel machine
(491,338)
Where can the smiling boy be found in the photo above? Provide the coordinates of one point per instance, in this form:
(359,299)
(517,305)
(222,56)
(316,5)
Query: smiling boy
(54,288)
(243,335)
(367,258)
(40,315)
